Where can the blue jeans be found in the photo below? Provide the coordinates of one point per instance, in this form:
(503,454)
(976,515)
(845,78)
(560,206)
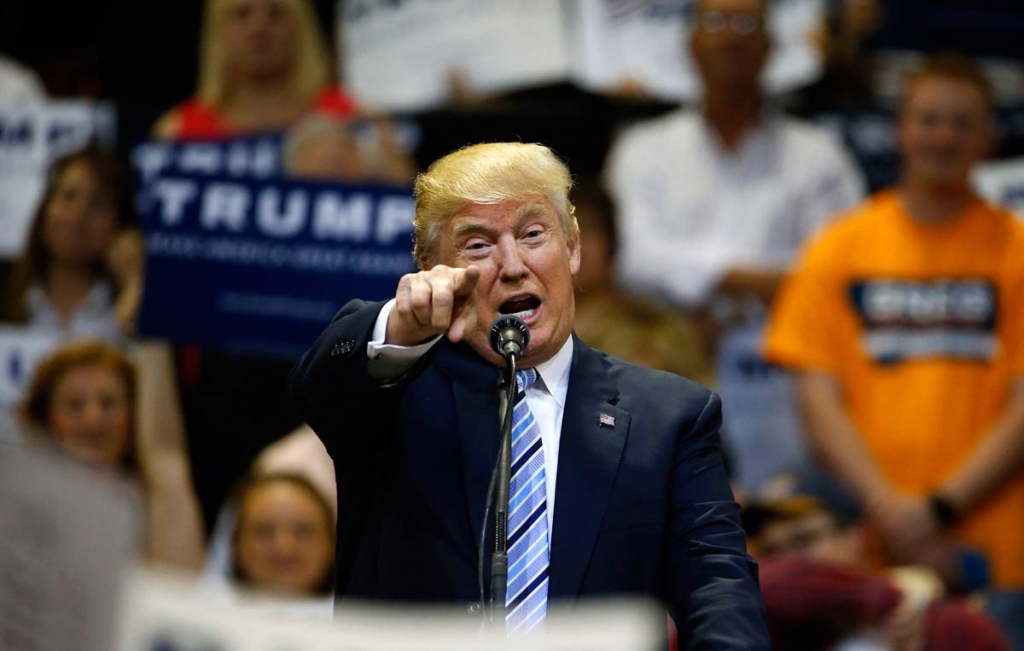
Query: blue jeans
(1007,608)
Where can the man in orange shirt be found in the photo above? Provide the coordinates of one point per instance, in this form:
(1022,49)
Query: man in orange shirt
(905,321)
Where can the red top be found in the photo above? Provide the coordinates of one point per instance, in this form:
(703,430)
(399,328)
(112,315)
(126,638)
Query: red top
(199,121)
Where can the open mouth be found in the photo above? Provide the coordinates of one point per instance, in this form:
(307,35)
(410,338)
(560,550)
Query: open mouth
(523,307)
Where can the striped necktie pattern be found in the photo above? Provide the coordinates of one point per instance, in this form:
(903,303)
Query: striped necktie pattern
(528,545)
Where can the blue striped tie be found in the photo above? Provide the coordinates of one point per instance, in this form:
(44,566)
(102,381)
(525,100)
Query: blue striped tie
(526,601)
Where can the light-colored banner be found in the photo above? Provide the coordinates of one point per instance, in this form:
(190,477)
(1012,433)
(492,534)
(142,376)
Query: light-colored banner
(1002,182)
(402,56)
(162,615)
(31,136)
(644,42)
(21,349)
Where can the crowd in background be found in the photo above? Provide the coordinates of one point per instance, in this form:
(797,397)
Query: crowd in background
(864,328)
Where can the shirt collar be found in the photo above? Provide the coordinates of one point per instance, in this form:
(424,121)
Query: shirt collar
(554,373)
(97,301)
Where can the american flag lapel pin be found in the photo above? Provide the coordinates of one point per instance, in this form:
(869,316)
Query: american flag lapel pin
(606,420)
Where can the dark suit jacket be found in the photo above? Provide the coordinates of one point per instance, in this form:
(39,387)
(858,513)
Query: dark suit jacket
(643,507)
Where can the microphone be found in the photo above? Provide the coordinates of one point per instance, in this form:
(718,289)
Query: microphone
(509,336)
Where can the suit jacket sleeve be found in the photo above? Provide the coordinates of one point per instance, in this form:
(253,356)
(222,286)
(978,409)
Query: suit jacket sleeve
(713,588)
(332,389)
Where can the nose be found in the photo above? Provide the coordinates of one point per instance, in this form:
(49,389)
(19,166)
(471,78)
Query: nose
(75,209)
(511,266)
(93,415)
(284,540)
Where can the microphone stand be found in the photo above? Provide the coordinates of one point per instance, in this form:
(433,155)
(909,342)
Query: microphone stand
(509,337)
(499,560)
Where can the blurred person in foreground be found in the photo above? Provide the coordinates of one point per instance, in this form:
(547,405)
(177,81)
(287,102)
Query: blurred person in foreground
(820,592)
(643,505)
(263,65)
(903,321)
(640,332)
(119,416)
(714,201)
(81,272)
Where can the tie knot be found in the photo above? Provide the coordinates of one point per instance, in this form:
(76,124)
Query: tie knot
(525,378)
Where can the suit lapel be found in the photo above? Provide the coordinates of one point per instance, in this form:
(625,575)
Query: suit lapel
(589,453)
(474,384)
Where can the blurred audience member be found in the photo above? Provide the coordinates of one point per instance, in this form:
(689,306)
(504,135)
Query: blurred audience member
(299,453)
(19,83)
(819,593)
(715,201)
(904,322)
(263,65)
(284,537)
(111,414)
(323,148)
(606,318)
(81,272)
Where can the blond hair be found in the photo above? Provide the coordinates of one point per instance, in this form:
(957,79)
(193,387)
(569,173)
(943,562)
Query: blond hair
(488,173)
(311,67)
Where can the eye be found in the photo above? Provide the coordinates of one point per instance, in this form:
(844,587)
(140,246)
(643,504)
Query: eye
(476,246)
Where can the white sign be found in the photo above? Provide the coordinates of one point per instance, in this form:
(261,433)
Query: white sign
(760,422)
(21,349)
(66,536)
(645,41)
(401,55)
(31,136)
(165,616)
(1002,182)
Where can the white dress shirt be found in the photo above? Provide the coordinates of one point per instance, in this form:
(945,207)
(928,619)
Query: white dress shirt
(546,397)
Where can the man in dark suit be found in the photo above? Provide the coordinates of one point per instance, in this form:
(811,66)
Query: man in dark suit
(629,456)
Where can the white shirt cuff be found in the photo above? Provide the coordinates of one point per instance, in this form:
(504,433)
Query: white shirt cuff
(388,361)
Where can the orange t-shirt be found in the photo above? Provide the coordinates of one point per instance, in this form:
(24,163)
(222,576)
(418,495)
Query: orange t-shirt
(923,324)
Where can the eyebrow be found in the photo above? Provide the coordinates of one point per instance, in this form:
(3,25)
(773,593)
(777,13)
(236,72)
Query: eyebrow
(523,213)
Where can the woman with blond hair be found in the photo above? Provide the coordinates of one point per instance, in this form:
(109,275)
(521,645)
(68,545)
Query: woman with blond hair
(119,416)
(263,65)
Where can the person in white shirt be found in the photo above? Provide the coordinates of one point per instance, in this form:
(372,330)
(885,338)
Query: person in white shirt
(714,202)
(81,272)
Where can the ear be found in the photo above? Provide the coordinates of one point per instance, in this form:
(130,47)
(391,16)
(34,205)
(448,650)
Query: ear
(573,243)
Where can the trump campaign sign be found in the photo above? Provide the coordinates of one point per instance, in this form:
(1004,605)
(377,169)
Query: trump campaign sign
(255,263)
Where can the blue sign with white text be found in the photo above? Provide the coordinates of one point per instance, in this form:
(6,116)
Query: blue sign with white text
(260,266)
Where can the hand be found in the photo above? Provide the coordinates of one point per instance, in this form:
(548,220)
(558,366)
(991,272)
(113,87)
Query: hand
(907,527)
(126,257)
(906,627)
(126,260)
(433,302)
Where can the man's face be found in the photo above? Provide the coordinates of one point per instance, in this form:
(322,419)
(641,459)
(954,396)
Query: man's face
(526,268)
(944,129)
(729,43)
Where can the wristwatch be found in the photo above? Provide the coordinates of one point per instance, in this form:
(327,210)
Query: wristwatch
(943,510)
